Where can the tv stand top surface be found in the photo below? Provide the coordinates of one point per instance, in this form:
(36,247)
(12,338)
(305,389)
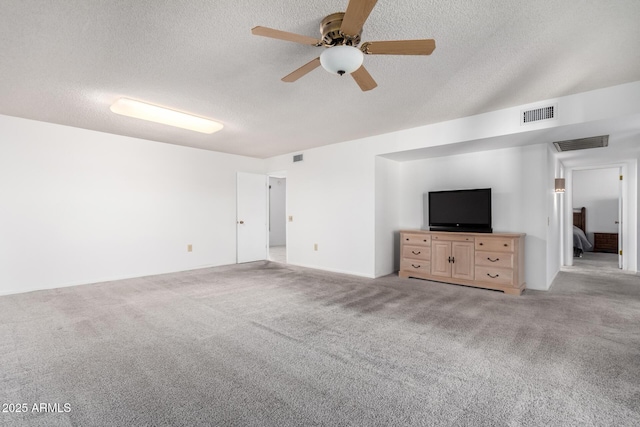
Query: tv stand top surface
(465,232)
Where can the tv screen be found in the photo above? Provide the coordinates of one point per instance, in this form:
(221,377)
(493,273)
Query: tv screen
(460,210)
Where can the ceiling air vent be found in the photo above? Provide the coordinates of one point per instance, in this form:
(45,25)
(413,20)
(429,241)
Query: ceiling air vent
(583,143)
(297,158)
(538,114)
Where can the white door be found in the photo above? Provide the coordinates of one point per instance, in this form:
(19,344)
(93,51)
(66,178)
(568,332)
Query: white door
(251,219)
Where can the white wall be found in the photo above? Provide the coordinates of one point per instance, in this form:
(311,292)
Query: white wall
(555,217)
(335,201)
(330,196)
(277,211)
(518,180)
(598,190)
(80,206)
(387,215)
(630,186)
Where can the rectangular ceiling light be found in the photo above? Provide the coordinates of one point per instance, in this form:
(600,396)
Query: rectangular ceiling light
(153,113)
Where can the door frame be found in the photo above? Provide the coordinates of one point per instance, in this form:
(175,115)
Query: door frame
(567,255)
(620,210)
(279,174)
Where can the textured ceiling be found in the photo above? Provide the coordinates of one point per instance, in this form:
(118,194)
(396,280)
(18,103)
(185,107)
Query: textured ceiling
(66,61)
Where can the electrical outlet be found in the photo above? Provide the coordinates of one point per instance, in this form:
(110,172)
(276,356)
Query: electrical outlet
(189,248)
(315,246)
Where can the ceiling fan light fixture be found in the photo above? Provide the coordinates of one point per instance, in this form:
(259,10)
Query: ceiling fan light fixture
(341,59)
(154,113)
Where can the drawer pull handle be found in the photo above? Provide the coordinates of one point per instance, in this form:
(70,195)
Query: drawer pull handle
(416,253)
(493,277)
(424,240)
(505,245)
(415,266)
(481,243)
(493,260)
(407,239)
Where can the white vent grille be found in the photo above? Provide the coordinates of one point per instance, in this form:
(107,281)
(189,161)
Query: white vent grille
(583,143)
(543,113)
(297,158)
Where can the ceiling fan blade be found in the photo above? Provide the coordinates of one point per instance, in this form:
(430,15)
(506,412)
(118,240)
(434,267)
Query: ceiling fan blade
(357,13)
(400,47)
(306,68)
(364,79)
(283,35)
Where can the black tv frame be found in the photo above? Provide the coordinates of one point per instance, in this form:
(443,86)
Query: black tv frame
(454,226)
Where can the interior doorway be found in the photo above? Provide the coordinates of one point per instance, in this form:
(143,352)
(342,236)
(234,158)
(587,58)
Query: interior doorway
(278,218)
(597,216)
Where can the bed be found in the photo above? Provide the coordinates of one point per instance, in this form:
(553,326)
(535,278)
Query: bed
(580,241)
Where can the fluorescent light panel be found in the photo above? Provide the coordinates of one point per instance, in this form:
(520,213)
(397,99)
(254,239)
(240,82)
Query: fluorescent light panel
(153,113)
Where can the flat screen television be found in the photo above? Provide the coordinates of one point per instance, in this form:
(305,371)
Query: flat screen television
(460,210)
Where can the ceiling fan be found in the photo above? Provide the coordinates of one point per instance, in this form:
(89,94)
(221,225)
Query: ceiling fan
(341,37)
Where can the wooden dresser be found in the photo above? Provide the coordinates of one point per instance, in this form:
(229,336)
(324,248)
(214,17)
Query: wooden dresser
(483,260)
(605,242)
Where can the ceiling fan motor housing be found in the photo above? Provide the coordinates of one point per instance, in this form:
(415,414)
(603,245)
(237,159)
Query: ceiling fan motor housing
(331,35)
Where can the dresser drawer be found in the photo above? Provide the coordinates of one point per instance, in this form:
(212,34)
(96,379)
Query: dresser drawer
(499,276)
(416,252)
(495,259)
(414,265)
(416,239)
(495,244)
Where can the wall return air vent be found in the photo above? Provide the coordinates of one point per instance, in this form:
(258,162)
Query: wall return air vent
(538,114)
(582,143)
(297,158)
